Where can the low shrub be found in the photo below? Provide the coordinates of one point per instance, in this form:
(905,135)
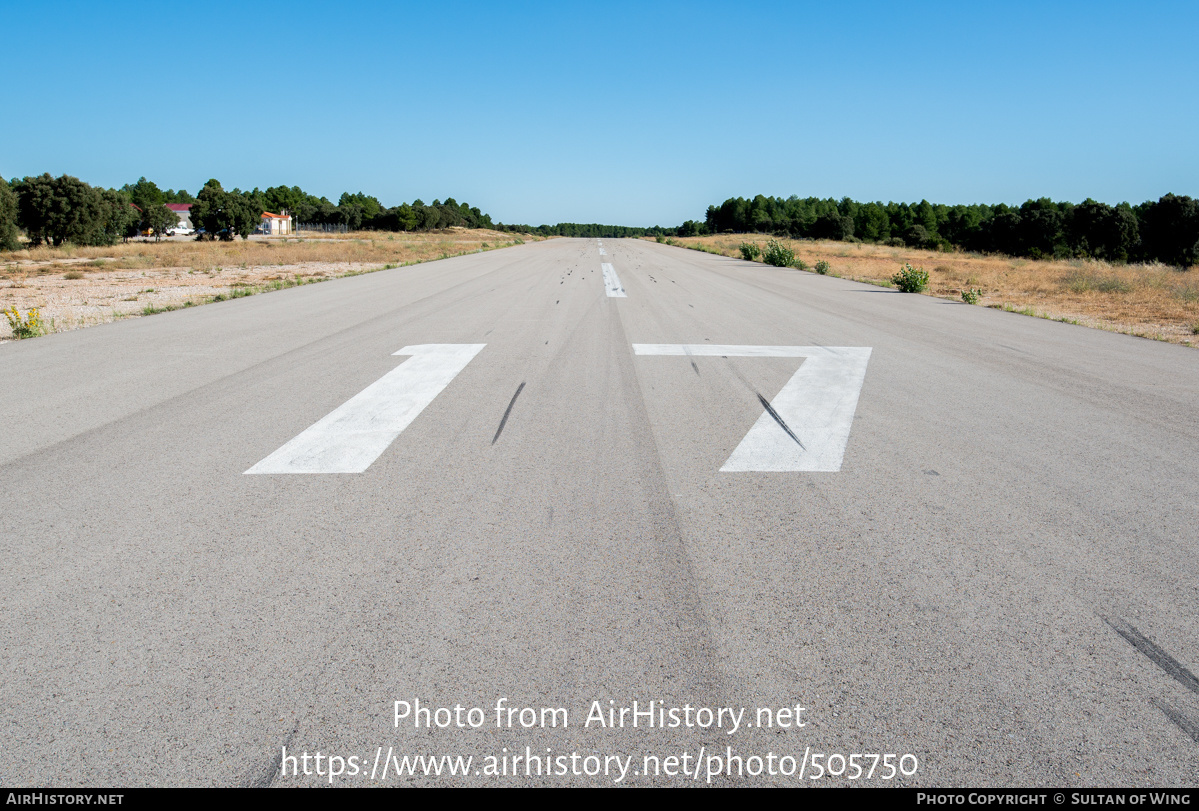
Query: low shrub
(910,279)
(27,326)
(1086,281)
(750,252)
(822,267)
(972,295)
(778,255)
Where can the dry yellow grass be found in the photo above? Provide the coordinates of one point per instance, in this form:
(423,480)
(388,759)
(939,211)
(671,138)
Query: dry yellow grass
(1151,301)
(74,287)
(363,247)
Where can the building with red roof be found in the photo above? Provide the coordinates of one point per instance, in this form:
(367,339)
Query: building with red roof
(183,212)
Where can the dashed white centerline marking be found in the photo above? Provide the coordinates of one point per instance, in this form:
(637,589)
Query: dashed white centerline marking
(817,405)
(612,282)
(356,433)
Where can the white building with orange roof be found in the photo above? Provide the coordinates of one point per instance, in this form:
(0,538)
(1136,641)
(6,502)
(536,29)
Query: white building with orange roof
(277,224)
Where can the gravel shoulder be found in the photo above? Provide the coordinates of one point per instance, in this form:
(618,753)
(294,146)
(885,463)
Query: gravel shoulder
(72,288)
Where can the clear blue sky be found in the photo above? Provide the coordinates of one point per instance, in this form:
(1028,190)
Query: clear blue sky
(629,113)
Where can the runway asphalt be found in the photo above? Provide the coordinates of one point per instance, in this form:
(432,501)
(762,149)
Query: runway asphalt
(243,532)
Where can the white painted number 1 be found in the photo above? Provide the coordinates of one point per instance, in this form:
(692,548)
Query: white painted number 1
(356,433)
(816,406)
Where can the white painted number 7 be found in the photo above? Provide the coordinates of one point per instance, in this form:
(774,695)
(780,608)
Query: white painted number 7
(806,426)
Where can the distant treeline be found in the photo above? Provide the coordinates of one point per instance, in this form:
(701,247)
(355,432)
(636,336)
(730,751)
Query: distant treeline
(65,209)
(1165,231)
(363,212)
(593,230)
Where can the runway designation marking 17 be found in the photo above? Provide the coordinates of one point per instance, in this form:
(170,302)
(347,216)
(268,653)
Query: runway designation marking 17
(612,282)
(806,426)
(356,433)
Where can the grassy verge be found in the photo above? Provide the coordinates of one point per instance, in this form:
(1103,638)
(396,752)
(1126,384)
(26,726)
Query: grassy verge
(1149,301)
(74,287)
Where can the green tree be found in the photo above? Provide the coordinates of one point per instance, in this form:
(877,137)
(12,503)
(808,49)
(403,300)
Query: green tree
(58,210)
(925,215)
(1170,230)
(918,236)
(351,215)
(182,196)
(158,218)
(8,218)
(1103,231)
(225,214)
(144,194)
(256,204)
(871,222)
(117,218)
(205,212)
(1041,228)
(359,210)
(759,215)
(370,206)
(964,226)
(428,217)
(407,218)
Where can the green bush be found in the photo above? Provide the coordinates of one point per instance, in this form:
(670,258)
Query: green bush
(778,255)
(800,264)
(910,279)
(822,267)
(972,295)
(750,252)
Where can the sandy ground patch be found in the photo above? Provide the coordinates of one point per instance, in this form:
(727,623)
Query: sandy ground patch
(79,287)
(1150,301)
